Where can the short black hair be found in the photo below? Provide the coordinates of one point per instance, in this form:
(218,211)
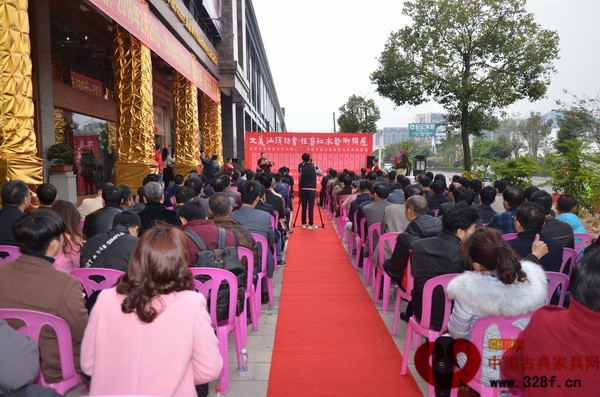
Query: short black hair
(127,219)
(346,180)
(179,179)
(112,196)
(218,184)
(363,185)
(500,185)
(455,178)
(125,194)
(379,173)
(437,187)
(429,175)
(528,192)
(33,232)
(403,181)
(487,195)
(531,217)
(266,180)
(514,196)
(184,194)
(14,192)
(463,180)
(566,203)
(277,177)
(392,175)
(460,216)
(195,184)
(544,199)
(219,204)
(214,157)
(412,190)
(463,195)
(441,178)
(46,193)
(585,281)
(192,211)
(382,190)
(250,192)
(425,181)
(306,157)
(371,176)
(476,185)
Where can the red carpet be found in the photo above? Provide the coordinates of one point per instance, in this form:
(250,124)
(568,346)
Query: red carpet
(330,340)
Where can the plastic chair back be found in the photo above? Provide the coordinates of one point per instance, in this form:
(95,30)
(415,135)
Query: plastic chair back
(249,299)
(11,253)
(428,290)
(568,258)
(508,330)
(264,250)
(273,222)
(557,280)
(368,261)
(209,289)
(110,278)
(510,236)
(406,295)
(436,212)
(81,223)
(584,240)
(34,321)
(235,188)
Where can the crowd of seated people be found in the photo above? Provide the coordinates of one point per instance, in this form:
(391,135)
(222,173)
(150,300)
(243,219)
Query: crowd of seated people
(143,236)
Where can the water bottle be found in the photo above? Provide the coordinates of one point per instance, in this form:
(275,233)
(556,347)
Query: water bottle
(244,362)
(218,391)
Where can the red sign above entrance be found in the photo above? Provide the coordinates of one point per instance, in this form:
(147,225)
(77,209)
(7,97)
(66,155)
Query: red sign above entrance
(139,21)
(336,151)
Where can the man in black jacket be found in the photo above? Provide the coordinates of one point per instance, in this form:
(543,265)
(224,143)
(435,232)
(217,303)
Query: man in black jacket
(16,198)
(155,211)
(101,220)
(440,255)
(308,187)
(113,249)
(487,196)
(558,230)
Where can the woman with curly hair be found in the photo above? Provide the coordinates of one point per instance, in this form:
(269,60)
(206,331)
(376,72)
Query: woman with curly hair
(152,334)
(68,257)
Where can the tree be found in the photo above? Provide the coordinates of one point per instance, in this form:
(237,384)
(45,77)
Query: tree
(471,56)
(534,130)
(510,128)
(359,115)
(579,119)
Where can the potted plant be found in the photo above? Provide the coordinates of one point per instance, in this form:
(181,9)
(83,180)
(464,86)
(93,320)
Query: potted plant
(61,156)
(402,161)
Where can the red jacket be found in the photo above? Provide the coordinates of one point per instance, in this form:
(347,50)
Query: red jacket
(209,233)
(559,346)
(158,158)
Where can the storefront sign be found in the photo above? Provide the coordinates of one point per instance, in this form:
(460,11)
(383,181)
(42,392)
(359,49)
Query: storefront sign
(139,21)
(422,129)
(336,151)
(85,84)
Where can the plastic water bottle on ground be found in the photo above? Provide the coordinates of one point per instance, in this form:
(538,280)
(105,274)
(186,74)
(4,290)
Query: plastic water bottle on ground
(244,362)
(218,391)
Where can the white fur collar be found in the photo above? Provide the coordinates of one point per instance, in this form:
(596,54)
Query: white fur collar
(487,295)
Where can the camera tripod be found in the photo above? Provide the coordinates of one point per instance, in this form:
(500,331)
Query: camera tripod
(298,211)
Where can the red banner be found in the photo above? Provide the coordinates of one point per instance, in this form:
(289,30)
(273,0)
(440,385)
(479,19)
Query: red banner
(140,22)
(86,84)
(86,143)
(336,151)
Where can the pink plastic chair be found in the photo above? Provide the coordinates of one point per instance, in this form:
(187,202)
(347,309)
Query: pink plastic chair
(249,298)
(360,237)
(341,220)
(368,260)
(34,321)
(235,188)
(585,240)
(406,295)
(436,212)
(274,226)
(556,281)
(387,238)
(110,276)
(508,330)
(263,272)
(569,258)
(510,236)
(81,223)
(11,252)
(416,328)
(209,289)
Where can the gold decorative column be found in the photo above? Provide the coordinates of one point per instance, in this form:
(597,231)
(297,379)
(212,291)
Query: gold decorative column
(210,125)
(132,66)
(185,118)
(18,142)
(60,133)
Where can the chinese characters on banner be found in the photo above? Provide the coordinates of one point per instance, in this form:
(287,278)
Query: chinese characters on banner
(81,144)
(336,151)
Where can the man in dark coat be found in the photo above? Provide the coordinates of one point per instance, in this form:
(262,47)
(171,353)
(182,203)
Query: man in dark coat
(487,196)
(16,198)
(101,221)
(553,228)
(440,255)
(155,211)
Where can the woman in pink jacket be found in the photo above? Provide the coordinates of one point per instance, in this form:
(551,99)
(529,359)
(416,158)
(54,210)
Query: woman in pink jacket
(68,257)
(151,334)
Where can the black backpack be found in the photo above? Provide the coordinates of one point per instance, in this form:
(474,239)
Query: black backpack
(221,258)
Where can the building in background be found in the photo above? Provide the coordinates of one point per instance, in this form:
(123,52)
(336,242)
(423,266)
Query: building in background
(113,79)
(429,118)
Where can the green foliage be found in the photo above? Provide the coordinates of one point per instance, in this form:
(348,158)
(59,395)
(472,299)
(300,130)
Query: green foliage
(450,148)
(517,172)
(579,119)
(576,172)
(358,115)
(533,131)
(471,56)
(60,154)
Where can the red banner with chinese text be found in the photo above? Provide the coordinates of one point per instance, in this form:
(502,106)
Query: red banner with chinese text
(82,144)
(336,151)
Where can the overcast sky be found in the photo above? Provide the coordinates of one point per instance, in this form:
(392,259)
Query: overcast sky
(321,52)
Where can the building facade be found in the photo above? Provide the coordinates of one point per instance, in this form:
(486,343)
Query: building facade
(115,80)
